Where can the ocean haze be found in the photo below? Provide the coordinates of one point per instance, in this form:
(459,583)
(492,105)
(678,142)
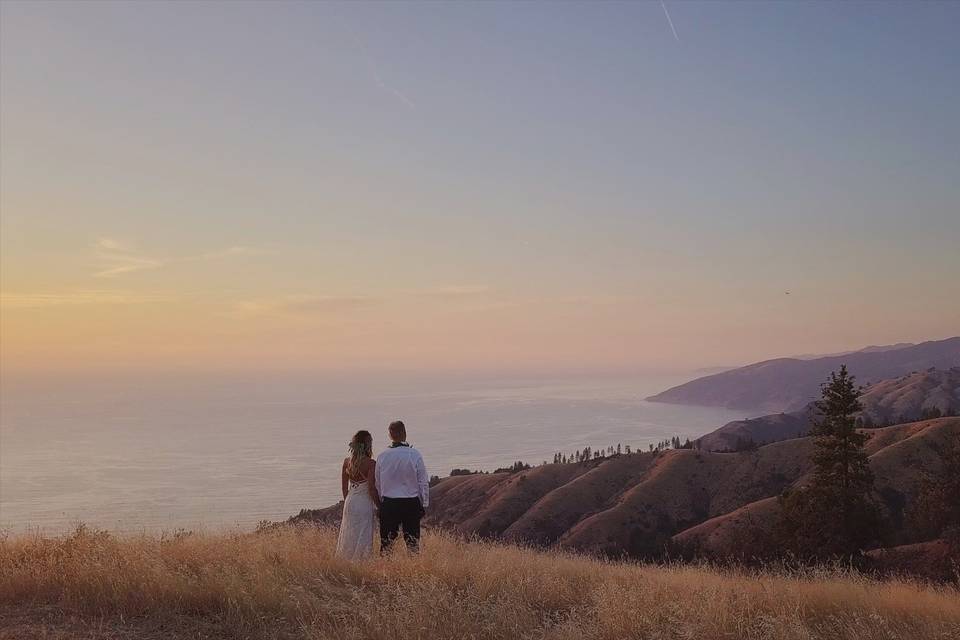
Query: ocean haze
(165,452)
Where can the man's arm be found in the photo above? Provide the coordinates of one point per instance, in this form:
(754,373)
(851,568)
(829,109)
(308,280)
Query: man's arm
(376,478)
(372,486)
(423,481)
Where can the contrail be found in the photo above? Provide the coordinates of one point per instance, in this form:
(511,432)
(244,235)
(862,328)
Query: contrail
(667,13)
(372,65)
(383,85)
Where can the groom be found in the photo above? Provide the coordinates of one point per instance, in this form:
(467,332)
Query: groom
(404,490)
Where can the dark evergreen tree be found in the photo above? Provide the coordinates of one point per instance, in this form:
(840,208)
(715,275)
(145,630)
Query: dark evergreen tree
(835,516)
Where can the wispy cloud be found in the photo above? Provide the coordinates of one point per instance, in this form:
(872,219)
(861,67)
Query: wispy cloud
(78,297)
(310,305)
(669,20)
(116,257)
(109,244)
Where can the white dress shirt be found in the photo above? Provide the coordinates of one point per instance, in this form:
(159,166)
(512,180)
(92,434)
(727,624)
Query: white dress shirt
(401,474)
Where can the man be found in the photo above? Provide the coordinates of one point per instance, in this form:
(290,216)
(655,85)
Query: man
(404,490)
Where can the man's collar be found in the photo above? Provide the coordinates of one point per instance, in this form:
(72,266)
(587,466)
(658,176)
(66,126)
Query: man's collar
(394,445)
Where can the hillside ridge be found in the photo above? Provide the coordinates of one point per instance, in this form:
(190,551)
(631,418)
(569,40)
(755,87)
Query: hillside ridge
(789,384)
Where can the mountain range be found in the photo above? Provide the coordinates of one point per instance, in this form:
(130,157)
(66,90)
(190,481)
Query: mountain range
(789,384)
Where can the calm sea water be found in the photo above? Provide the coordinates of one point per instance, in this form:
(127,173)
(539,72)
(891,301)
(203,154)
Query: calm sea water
(210,452)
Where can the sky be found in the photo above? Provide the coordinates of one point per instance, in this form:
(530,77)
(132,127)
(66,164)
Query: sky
(456,187)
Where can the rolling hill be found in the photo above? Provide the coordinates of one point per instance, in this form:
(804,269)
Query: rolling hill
(635,504)
(899,458)
(788,384)
(911,397)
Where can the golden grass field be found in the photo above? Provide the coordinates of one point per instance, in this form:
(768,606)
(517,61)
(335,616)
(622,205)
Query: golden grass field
(286,583)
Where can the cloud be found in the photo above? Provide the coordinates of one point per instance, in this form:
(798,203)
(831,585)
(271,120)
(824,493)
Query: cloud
(79,297)
(117,258)
(109,244)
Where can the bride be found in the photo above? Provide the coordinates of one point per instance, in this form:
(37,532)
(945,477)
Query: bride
(360,499)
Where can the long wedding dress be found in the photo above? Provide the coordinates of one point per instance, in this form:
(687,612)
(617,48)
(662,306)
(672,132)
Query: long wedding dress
(357,526)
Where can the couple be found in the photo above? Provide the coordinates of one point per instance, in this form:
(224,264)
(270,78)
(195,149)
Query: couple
(396,485)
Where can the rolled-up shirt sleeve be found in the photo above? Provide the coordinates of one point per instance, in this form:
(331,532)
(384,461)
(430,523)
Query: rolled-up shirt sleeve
(423,481)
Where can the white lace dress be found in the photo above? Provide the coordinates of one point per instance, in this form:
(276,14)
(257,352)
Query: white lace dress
(357,526)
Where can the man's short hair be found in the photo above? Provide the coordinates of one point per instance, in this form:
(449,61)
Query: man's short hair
(398,429)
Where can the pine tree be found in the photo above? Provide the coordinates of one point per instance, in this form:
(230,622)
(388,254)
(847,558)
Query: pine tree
(835,515)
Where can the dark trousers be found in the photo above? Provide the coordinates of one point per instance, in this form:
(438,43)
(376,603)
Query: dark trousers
(396,513)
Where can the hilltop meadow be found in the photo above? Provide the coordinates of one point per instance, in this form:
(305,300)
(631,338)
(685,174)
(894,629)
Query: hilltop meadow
(284,582)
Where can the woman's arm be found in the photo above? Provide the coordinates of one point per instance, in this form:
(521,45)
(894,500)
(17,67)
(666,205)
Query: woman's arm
(344,479)
(372,482)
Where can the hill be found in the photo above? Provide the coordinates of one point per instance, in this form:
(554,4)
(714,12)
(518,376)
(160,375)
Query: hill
(788,384)
(636,504)
(911,397)
(900,456)
(284,583)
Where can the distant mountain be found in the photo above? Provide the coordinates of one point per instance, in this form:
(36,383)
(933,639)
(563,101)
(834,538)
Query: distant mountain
(879,348)
(874,348)
(709,371)
(636,503)
(930,393)
(789,384)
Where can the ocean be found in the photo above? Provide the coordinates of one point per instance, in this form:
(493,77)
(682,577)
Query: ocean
(162,453)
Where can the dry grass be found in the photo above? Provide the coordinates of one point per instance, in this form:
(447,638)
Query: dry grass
(285,583)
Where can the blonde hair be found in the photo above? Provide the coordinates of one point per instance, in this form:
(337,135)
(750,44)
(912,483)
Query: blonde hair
(361,447)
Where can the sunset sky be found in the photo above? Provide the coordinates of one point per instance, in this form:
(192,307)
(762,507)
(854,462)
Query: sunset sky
(474,187)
